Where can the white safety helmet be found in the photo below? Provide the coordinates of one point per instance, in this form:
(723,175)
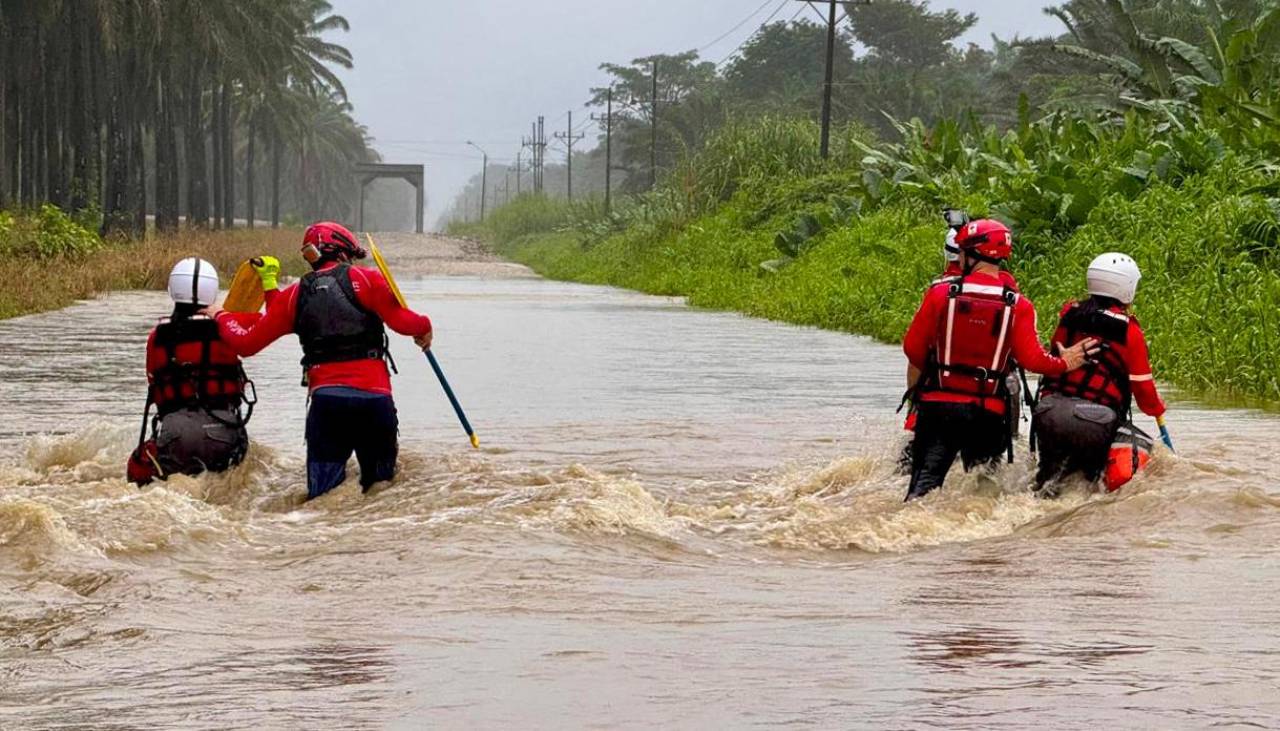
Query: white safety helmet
(951,250)
(193,282)
(1116,276)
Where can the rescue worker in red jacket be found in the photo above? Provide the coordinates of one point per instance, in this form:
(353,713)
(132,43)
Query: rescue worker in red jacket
(952,270)
(1081,414)
(202,398)
(959,345)
(340,314)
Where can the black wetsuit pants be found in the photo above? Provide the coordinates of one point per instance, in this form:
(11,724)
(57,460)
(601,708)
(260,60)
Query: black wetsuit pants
(343,420)
(944,431)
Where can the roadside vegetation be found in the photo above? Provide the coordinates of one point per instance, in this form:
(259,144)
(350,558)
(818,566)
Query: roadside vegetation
(48,260)
(1174,159)
(134,134)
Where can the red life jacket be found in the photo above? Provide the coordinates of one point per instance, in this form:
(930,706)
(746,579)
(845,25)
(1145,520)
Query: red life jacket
(198,371)
(1105,380)
(974,339)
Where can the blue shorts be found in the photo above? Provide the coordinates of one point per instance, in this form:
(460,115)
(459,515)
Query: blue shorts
(343,420)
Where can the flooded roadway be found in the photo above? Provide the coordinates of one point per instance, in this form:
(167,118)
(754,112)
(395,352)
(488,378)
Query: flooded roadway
(679,518)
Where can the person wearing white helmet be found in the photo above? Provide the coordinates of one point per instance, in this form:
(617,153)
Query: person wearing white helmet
(1082,425)
(196,384)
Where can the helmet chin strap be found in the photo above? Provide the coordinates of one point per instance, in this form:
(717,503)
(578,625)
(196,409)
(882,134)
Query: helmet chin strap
(195,283)
(972,259)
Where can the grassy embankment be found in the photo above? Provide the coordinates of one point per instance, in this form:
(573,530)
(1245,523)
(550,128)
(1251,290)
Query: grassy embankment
(841,246)
(49,261)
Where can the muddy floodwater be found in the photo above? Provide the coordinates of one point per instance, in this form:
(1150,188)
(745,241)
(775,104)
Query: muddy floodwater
(678,519)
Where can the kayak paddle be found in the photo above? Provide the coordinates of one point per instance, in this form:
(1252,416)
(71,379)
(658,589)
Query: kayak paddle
(1164,433)
(431,358)
(245,293)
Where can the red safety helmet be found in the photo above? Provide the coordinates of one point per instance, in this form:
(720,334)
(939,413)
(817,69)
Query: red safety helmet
(986,239)
(333,240)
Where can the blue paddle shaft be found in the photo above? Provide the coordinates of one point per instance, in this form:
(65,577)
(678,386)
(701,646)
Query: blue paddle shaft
(444,383)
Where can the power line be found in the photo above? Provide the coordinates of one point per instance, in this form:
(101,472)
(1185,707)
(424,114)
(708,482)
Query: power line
(767,20)
(741,23)
(459,143)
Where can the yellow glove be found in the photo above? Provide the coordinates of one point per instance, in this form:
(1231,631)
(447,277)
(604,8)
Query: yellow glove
(268,269)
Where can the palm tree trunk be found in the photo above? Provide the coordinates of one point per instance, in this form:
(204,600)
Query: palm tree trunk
(137,177)
(228,159)
(250,160)
(41,168)
(86,186)
(166,158)
(275,178)
(215,134)
(115,206)
(194,137)
(7,138)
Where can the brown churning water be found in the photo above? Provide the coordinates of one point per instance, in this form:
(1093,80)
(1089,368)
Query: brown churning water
(680,519)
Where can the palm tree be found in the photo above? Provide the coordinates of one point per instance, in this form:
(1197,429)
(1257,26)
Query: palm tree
(101,99)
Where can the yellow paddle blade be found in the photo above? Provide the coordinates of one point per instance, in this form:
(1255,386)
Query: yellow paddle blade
(245,293)
(382,267)
(475,441)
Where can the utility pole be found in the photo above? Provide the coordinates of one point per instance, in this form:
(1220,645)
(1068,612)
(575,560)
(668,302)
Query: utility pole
(832,24)
(533,148)
(653,143)
(536,143)
(569,138)
(484,177)
(542,153)
(608,150)
(519,167)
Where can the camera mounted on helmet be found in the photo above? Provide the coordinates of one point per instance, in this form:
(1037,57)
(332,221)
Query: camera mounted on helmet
(956,218)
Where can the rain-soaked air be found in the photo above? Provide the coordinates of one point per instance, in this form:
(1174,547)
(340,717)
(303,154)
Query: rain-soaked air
(821,364)
(707,532)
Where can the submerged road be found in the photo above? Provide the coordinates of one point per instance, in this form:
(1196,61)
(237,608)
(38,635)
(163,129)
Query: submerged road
(680,518)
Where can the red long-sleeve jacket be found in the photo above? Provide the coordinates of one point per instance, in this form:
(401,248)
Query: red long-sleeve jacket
(366,374)
(921,341)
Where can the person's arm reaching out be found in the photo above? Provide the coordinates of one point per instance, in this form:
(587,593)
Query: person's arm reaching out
(1141,381)
(1031,354)
(248,339)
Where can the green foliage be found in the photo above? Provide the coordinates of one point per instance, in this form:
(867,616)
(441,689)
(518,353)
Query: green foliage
(850,245)
(45,234)
(907,32)
(775,67)
(528,214)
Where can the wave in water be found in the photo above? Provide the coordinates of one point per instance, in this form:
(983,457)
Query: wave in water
(66,500)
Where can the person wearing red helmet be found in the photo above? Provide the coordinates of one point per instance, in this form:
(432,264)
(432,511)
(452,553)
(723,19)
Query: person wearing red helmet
(340,313)
(959,347)
(956,220)
(1083,423)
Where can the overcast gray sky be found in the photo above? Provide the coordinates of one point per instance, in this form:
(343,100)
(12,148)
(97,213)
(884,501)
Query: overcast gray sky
(432,74)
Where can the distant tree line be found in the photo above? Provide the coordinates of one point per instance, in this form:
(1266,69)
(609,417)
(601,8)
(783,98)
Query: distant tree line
(898,60)
(211,110)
